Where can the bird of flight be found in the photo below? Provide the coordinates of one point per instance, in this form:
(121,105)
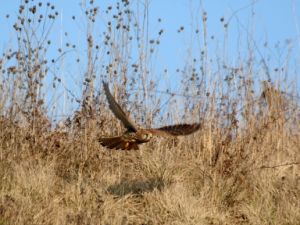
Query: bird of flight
(134,136)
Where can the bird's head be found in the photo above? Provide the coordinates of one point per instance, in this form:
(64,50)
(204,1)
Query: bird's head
(145,136)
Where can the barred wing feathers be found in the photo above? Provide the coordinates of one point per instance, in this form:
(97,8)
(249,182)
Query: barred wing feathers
(117,110)
(176,130)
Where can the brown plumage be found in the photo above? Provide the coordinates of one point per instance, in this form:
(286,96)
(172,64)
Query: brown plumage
(135,136)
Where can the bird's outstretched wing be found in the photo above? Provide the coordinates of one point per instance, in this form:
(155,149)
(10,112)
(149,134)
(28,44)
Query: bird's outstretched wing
(176,130)
(117,110)
(119,143)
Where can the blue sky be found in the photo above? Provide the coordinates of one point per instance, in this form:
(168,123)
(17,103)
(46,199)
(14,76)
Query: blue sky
(266,21)
(274,20)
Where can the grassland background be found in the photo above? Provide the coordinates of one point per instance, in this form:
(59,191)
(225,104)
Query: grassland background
(242,167)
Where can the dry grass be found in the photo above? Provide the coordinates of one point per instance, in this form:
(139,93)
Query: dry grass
(242,167)
(70,179)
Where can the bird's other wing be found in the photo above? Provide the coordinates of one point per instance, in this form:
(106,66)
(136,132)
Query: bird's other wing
(117,110)
(118,143)
(176,130)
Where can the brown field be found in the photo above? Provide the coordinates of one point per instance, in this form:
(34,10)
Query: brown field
(248,175)
(241,167)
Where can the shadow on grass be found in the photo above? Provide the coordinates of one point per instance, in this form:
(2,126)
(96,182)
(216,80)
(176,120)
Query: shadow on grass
(135,186)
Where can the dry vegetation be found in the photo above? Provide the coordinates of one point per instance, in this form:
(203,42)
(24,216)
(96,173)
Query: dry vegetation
(242,167)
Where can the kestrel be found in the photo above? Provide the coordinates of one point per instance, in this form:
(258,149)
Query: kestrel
(134,136)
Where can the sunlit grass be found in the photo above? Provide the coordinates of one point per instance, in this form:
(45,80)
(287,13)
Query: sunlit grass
(241,167)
